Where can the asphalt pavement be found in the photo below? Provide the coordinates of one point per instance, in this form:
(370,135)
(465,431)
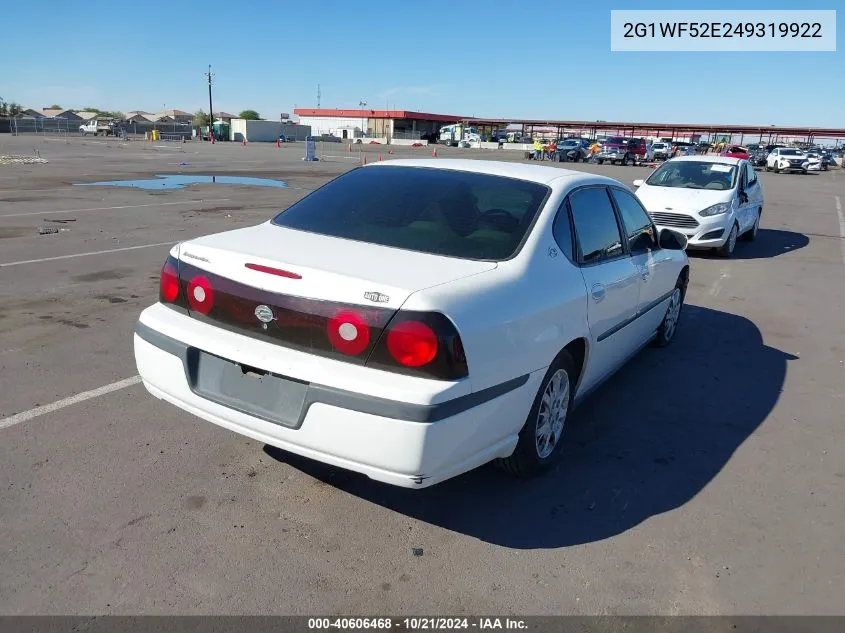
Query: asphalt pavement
(705,478)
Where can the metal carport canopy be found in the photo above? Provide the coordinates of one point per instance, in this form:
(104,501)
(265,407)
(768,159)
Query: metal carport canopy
(675,127)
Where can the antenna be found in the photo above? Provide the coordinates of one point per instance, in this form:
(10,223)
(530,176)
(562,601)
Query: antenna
(318,96)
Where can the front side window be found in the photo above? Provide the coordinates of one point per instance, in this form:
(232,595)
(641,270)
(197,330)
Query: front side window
(596,229)
(639,230)
(439,211)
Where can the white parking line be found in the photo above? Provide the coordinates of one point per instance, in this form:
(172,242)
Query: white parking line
(125,206)
(111,250)
(716,288)
(23,416)
(841,226)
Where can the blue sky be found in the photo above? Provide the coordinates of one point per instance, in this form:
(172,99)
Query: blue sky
(530,59)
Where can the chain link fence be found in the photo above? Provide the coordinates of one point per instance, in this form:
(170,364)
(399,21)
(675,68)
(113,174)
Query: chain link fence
(168,130)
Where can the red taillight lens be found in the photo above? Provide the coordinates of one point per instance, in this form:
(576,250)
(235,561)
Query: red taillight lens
(348,332)
(169,283)
(200,294)
(412,343)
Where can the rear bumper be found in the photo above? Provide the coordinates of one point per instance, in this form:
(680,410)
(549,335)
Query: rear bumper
(412,445)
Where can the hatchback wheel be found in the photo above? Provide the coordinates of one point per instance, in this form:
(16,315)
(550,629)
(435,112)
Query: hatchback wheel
(540,440)
(751,234)
(727,249)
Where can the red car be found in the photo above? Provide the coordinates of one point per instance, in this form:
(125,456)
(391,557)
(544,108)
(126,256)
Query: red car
(736,151)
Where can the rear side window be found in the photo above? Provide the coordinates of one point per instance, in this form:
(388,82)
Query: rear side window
(596,229)
(638,228)
(438,211)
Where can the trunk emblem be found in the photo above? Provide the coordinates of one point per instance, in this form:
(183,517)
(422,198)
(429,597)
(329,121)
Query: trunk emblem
(376,297)
(264,314)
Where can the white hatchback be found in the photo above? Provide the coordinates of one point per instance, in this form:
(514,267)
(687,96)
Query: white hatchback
(412,320)
(713,200)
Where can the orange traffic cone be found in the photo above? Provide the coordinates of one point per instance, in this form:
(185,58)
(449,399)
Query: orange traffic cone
(364,161)
(278,143)
(244,142)
(379,157)
(434,153)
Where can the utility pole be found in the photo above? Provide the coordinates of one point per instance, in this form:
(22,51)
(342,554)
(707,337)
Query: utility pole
(318,96)
(210,106)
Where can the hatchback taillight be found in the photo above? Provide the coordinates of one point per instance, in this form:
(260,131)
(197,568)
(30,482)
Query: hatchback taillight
(169,282)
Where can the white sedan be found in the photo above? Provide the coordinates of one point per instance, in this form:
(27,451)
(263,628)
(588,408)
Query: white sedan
(713,200)
(414,319)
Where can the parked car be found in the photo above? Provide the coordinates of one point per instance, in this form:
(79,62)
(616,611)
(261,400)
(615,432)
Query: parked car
(661,150)
(713,200)
(787,159)
(620,151)
(574,149)
(736,151)
(815,161)
(758,157)
(397,321)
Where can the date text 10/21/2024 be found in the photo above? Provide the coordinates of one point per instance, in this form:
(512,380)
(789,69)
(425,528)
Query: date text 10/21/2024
(417,624)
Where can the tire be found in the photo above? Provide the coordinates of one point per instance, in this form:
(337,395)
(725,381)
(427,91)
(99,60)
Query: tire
(777,169)
(669,324)
(600,161)
(624,161)
(768,168)
(751,234)
(727,249)
(529,457)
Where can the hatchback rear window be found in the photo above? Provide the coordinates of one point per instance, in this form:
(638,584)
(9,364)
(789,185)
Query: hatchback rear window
(438,211)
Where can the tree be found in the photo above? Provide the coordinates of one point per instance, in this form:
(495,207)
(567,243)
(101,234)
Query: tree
(55,107)
(14,109)
(251,115)
(4,108)
(201,118)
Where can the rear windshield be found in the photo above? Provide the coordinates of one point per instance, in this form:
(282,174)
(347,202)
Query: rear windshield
(438,211)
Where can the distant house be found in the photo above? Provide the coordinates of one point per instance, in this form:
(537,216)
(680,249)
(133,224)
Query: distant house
(140,116)
(179,116)
(70,115)
(226,117)
(30,112)
(87,115)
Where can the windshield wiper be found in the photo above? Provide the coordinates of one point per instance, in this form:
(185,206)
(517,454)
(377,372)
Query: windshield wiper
(693,187)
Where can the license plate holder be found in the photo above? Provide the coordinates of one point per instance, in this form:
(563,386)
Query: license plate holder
(271,397)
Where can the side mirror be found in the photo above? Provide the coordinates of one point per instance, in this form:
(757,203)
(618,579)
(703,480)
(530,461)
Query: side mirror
(672,240)
(638,182)
(743,197)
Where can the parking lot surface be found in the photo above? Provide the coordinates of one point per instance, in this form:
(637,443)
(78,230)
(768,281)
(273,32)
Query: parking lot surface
(705,478)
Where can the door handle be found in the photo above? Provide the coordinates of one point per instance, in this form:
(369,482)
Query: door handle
(644,273)
(598,292)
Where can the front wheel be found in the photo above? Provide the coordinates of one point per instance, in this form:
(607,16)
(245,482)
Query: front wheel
(624,161)
(727,249)
(669,325)
(539,446)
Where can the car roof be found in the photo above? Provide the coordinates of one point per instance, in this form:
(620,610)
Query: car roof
(707,159)
(532,173)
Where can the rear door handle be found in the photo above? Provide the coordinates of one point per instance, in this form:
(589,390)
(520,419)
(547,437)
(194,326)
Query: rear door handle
(598,292)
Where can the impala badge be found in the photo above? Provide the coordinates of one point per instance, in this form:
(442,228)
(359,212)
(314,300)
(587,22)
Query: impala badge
(264,314)
(377,297)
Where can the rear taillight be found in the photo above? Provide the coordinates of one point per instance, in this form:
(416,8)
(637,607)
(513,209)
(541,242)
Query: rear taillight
(348,332)
(200,294)
(423,344)
(169,282)
(412,343)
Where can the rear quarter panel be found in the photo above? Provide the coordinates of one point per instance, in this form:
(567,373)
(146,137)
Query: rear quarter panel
(515,319)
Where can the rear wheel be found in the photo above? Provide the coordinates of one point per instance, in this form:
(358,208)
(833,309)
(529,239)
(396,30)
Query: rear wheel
(624,161)
(539,446)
